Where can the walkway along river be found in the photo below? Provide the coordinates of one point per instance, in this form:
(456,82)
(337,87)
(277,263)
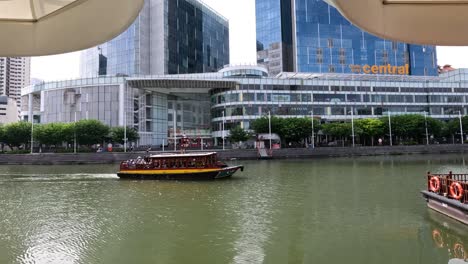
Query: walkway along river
(247,154)
(337,210)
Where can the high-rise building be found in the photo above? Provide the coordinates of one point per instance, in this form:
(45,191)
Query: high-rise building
(168,37)
(14,75)
(312,36)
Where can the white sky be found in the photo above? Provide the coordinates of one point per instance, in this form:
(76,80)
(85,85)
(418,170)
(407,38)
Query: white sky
(241,15)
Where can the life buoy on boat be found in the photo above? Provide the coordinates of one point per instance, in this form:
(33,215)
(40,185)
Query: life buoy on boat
(437,237)
(456,190)
(434,184)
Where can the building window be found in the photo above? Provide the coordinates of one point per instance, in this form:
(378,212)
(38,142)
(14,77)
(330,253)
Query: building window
(319,52)
(331,68)
(394,45)
(330,43)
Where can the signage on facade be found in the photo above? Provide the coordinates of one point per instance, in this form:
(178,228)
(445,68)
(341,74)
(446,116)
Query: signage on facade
(380,69)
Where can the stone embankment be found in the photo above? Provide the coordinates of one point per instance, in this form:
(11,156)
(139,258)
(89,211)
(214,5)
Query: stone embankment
(248,154)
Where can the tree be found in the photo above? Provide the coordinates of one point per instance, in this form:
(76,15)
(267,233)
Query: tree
(17,134)
(2,137)
(238,134)
(52,134)
(260,125)
(118,135)
(340,130)
(295,129)
(369,128)
(90,132)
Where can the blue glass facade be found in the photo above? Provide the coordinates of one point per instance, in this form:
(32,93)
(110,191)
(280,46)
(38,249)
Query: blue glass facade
(324,42)
(168,37)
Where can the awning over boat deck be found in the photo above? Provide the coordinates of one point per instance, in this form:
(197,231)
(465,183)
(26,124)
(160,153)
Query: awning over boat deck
(429,22)
(44,27)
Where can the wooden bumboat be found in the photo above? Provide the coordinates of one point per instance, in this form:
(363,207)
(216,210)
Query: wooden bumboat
(448,194)
(188,166)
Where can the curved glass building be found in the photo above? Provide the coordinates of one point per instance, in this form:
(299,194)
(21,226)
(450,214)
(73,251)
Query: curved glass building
(312,36)
(168,37)
(164,107)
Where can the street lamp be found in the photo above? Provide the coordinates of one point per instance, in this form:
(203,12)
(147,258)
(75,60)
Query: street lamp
(427,133)
(32,134)
(461,126)
(222,135)
(313,132)
(269,126)
(352,125)
(390,128)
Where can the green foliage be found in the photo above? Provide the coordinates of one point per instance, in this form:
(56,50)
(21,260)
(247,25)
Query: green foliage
(412,126)
(295,129)
(238,134)
(338,129)
(2,134)
(53,133)
(260,125)
(289,129)
(89,132)
(17,134)
(369,127)
(118,135)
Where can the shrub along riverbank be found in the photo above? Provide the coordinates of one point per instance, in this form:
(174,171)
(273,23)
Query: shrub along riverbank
(405,130)
(61,136)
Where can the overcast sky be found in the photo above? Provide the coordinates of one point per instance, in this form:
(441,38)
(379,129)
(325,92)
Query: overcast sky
(241,15)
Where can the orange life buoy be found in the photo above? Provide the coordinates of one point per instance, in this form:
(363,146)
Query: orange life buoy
(459,251)
(456,190)
(434,184)
(437,237)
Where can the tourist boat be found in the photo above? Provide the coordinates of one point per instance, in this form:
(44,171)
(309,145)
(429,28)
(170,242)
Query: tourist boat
(187,166)
(448,194)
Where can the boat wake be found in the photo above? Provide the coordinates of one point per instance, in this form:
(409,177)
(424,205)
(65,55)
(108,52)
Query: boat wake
(56,177)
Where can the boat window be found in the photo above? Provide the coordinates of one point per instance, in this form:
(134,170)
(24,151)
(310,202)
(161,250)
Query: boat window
(163,164)
(156,164)
(191,163)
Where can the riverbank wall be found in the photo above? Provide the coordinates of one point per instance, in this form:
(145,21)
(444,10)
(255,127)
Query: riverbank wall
(244,154)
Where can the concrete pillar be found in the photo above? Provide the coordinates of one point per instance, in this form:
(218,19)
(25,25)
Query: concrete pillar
(30,108)
(122,104)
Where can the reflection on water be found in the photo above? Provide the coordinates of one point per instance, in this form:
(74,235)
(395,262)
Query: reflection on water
(450,236)
(354,211)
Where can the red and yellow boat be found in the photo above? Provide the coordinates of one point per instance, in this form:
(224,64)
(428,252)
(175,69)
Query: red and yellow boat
(188,166)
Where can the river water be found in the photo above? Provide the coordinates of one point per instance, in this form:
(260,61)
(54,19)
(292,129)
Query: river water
(347,210)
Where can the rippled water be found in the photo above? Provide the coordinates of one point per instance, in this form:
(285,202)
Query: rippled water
(363,210)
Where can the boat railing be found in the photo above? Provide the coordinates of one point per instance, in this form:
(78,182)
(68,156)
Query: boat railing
(446,180)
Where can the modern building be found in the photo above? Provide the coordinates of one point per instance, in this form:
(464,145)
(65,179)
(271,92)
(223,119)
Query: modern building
(200,105)
(14,74)
(8,110)
(168,37)
(312,36)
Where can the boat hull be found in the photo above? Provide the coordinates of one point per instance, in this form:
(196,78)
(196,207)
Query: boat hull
(195,174)
(448,207)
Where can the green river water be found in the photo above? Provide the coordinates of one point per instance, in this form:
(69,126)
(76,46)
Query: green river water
(346,210)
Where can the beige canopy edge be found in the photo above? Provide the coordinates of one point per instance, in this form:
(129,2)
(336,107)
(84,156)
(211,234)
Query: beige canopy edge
(85,25)
(424,22)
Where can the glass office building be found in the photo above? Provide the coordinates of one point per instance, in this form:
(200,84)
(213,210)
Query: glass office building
(200,105)
(168,37)
(321,40)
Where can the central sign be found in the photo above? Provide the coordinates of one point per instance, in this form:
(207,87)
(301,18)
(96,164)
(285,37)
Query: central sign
(380,69)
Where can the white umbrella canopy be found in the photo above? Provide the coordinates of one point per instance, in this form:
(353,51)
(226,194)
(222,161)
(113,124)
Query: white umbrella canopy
(427,22)
(46,27)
